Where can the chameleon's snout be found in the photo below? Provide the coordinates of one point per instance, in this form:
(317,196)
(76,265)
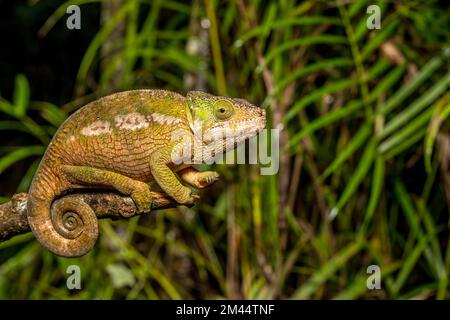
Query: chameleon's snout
(262,112)
(262,118)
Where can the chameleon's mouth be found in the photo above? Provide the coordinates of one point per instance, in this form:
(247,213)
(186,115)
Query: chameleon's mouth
(235,129)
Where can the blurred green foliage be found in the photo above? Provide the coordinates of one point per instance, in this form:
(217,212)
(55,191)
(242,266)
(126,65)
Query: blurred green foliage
(365,152)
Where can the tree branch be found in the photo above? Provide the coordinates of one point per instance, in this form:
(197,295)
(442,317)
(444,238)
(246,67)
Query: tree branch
(106,204)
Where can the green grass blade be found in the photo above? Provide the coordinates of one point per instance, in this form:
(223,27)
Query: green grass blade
(441,113)
(131,38)
(406,132)
(317,94)
(6,107)
(98,40)
(12,126)
(405,144)
(307,41)
(433,257)
(281,23)
(215,46)
(376,190)
(327,270)
(315,67)
(358,176)
(21,95)
(325,120)
(408,266)
(411,86)
(432,232)
(50,112)
(25,182)
(19,154)
(357,141)
(387,82)
(378,68)
(417,106)
(35,129)
(379,39)
(357,7)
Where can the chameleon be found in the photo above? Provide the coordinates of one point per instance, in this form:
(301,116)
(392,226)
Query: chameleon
(129,141)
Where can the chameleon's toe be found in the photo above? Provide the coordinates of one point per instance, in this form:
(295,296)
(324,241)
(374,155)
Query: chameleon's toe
(142,199)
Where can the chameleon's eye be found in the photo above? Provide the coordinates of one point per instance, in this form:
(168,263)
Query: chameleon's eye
(223,109)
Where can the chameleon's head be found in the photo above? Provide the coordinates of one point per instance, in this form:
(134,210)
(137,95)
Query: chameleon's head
(223,118)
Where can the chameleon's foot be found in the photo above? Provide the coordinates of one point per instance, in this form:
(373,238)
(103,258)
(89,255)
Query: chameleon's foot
(142,197)
(207,178)
(184,196)
(198,179)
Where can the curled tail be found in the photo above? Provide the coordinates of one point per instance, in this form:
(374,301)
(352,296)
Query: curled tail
(66,227)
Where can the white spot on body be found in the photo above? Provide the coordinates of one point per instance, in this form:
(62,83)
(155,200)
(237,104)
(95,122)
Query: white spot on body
(131,121)
(97,128)
(72,138)
(165,119)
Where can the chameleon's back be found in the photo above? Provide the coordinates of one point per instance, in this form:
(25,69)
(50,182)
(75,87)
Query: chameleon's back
(120,131)
(117,133)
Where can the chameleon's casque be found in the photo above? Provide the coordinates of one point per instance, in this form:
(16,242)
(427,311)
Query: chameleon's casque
(123,142)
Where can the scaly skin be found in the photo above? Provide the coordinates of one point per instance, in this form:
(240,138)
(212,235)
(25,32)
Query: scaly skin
(125,141)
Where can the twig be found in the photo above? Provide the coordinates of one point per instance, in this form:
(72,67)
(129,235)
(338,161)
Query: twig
(13,214)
